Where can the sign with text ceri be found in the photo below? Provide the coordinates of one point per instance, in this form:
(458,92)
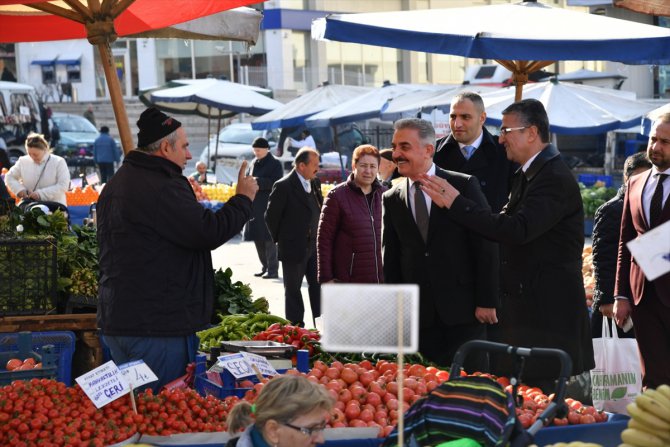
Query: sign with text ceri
(103,384)
(137,373)
(240,364)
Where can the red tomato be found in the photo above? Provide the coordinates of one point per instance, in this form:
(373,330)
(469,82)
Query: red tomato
(13,364)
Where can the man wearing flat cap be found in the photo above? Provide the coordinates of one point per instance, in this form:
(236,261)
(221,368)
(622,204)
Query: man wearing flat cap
(266,169)
(155,241)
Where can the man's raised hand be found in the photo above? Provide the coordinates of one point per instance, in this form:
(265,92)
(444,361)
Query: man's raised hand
(246,184)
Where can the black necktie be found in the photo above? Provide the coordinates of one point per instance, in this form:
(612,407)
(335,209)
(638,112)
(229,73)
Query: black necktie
(656,206)
(420,211)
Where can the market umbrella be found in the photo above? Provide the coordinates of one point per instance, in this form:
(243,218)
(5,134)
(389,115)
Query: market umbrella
(295,112)
(365,106)
(574,109)
(424,101)
(101,23)
(214,98)
(523,37)
(649,118)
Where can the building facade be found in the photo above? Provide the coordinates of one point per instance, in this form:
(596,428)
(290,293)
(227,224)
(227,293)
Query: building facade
(285,58)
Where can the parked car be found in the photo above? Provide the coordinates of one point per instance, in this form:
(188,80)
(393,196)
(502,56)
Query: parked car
(19,115)
(75,140)
(234,145)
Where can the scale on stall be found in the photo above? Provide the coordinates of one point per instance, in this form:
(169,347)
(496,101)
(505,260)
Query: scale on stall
(372,318)
(278,354)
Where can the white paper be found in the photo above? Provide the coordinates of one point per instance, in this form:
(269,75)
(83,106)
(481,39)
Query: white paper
(211,178)
(261,363)
(236,364)
(23,110)
(103,384)
(76,182)
(240,364)
(92,179)
(137,373)
(652,251)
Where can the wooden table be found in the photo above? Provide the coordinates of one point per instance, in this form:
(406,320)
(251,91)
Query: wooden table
(88,351)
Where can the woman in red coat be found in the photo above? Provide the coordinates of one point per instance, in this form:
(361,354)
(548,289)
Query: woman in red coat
(349,238)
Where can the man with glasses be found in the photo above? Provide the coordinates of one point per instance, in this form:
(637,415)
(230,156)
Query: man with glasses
(471,149)
(541,235)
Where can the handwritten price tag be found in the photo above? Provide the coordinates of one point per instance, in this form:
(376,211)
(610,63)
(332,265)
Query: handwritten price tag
(137,373)
(103,384)
(240,364)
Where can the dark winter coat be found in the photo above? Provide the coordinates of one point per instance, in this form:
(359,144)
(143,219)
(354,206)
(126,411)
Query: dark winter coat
(155,243)
(541,236)
(349,238)
(606,229)
(267,171)
(291,217)
(488,163)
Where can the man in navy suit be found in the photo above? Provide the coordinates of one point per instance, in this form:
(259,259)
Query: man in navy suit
(456,269)
(292,216)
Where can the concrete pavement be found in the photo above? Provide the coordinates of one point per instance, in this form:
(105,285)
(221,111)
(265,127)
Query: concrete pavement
(241,257)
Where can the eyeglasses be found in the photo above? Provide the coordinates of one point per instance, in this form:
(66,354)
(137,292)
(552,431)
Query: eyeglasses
(305,430)
(505,130)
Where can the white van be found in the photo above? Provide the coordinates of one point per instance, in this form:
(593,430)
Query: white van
(19,114)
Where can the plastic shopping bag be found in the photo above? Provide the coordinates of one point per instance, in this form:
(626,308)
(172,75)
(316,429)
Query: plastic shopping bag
(617,378)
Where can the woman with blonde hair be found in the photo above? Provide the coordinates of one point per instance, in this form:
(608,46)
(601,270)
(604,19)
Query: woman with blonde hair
(40,176)
(290,411)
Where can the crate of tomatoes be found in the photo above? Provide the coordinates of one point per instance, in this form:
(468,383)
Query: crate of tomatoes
(26,364)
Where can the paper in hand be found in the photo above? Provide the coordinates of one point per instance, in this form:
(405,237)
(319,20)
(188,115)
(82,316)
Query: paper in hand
(652,251)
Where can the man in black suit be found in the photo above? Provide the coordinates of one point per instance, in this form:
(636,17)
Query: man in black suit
(292,217)
(456,269)
(471,149)
(541,235)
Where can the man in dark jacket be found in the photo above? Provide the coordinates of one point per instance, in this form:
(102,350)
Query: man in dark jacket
(105,153)
(266,169)
(155,240)
(455,268)
(471,149)
(541,235)
(292,217)
(606,229)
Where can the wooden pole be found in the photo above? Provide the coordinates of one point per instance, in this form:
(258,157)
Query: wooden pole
(116,97)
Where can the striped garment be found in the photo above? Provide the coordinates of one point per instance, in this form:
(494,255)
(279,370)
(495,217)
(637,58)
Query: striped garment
(464,407)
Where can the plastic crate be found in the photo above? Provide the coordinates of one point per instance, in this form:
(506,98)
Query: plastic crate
(607,434)
(28,275)
(587,179)
(206,387)
(63,347)
(23,351)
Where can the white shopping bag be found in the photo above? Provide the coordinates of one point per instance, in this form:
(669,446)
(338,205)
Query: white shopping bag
(617,378)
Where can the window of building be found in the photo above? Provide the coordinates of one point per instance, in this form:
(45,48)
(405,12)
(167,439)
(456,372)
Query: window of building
(663,70)
(48,74)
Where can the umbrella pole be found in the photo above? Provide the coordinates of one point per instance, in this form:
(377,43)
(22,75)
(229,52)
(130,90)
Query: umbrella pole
(209,135)
(337,148)
(116,97)
(216,147)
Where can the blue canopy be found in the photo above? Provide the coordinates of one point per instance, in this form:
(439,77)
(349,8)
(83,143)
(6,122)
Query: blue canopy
(524,31)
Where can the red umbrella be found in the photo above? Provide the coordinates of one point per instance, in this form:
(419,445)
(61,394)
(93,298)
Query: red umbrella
(101,22)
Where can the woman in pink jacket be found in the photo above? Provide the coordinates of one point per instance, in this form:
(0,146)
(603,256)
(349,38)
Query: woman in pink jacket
(349,237)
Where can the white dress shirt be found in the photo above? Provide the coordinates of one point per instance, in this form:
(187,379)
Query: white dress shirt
(650,187)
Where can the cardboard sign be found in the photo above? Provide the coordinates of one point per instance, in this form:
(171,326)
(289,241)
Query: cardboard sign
(137,373)
(103,384)
(240,364)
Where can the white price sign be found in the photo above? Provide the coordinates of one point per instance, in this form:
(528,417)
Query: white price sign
(104,384)
(137,373)
(261,362)
(240,364)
